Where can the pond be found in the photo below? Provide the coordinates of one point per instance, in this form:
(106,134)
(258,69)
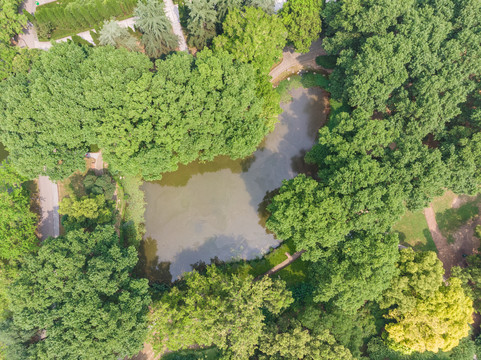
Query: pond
(216,209)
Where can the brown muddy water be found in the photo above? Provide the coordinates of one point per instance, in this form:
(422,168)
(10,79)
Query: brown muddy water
(215,209)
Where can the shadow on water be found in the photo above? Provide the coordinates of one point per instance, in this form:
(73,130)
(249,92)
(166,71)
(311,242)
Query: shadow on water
(149,266)
(184,173)
(221,215)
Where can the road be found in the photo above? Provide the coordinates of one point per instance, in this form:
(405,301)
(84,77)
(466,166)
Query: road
(49,221)
(172,12)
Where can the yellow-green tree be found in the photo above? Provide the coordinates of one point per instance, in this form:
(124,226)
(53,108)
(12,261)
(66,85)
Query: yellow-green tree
(438,323)
(428,314)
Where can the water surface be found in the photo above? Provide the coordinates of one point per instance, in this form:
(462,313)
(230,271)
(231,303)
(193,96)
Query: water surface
(202,211)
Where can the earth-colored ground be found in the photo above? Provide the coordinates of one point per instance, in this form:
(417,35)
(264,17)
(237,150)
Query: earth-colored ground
(463,243)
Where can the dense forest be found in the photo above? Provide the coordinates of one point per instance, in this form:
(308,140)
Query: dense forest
(404,127)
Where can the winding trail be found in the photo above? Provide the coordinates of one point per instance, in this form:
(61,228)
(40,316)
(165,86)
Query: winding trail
(290,259)
(293,61)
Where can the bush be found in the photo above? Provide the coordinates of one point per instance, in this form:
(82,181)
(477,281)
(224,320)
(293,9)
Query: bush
(71,17)
(327,61)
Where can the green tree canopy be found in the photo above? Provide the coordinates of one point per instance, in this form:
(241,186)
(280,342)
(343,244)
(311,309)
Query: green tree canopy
(359,270)
(79,297)
(226,311)
(17,222)
(438,323)
(306,212)
(429,315)
(254,37)
(201,22)
(300,344)
(144,122)
(11,23)
(302,19)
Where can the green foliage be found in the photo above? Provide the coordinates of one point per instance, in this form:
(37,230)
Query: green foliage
(359,270)
(307,213)
(198,108)
(11,23)
(201,22)
(216,309)
(428,315)
(350,330)
(420,276)
(17,222)
(158,37)
(300,344)
(327,61)
(302,19)
(252,36)
(266,5)
(471,279)
(133,215)
(70,17)
(438,323)
(86,211)
(306,80)
(79,291)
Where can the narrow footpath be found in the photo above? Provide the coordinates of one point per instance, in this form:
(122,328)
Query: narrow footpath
(172,12)
(292,61)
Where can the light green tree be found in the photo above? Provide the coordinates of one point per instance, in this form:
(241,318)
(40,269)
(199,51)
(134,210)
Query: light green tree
(114,35)
(17,222)
(226,311)
(254,37)
(302,19)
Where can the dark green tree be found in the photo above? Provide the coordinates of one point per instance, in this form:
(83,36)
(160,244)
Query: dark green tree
(201,22)
(359,270)
(78,297)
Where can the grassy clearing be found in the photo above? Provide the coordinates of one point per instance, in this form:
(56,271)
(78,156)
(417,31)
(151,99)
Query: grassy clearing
(132,205)
(306,80)
(413,231)
(327,61)
(205,354)
(293,274)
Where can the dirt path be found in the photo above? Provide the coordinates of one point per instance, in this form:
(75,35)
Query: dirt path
(172,12)
(465,243)
(292,61)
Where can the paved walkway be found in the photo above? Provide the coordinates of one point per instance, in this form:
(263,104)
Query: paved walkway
(49,221)
(172,12)
(293,62)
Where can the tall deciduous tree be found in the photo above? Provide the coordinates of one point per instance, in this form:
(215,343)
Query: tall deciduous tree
(216,309)
(11,23)
(158,37)
(253,36)
(17,222)
(306,212)
(300,344)
(266,5)
(78,296)
(429,315)
(302,19)
(359,270)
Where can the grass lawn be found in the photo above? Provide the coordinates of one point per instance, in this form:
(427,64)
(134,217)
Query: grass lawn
(307,80)
(450,219)
(413,231)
